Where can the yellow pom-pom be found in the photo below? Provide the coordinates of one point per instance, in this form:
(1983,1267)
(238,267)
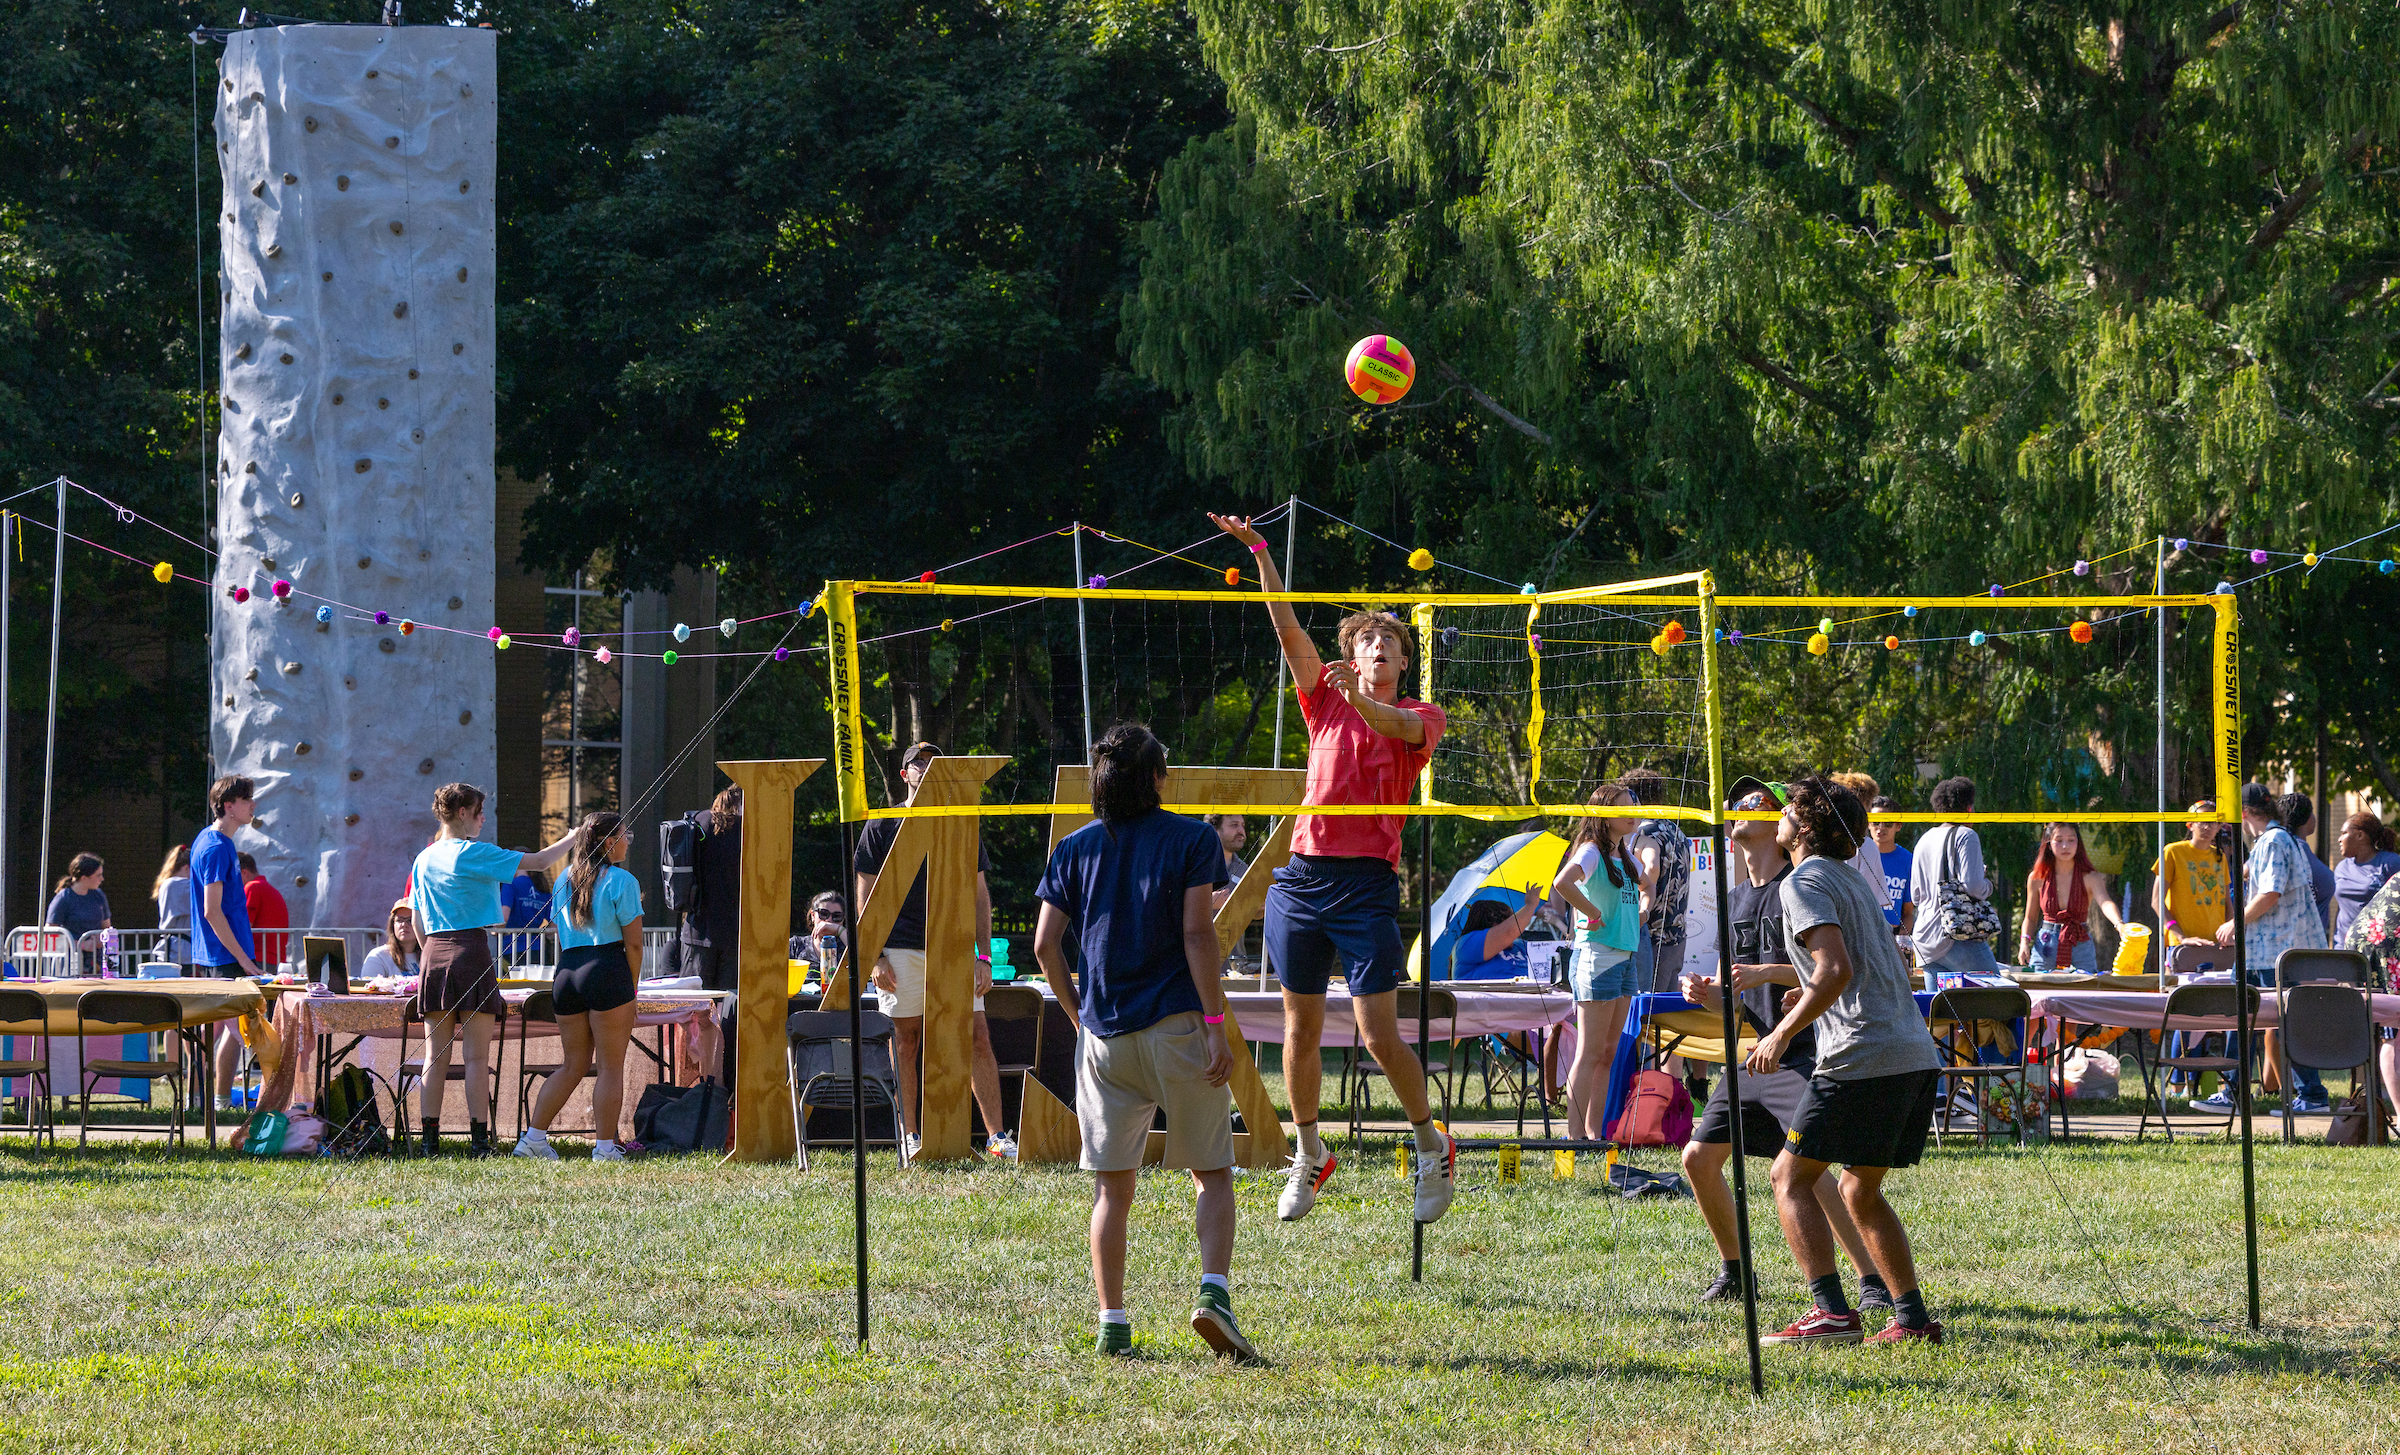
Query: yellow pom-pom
(162,573)
(2308,560)
(945,623)
(1658,644)
(1819,645)
(1233,575)
(1420,559)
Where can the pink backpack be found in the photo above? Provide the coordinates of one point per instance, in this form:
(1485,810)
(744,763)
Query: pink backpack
(1658,1113)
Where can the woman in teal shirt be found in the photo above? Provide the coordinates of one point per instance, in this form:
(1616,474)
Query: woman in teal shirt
(454,897)
(598,909)
(1604,885)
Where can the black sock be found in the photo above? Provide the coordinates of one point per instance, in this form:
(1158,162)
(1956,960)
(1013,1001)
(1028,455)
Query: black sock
(433,1133)
(1908,1309)
(1733,1268)
(1874,1280)
(1828,1293)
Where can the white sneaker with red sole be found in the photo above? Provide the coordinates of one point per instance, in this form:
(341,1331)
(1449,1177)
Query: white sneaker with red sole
(1302,1184)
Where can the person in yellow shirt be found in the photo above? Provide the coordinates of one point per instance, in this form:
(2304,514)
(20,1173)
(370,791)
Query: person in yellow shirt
(2190,890)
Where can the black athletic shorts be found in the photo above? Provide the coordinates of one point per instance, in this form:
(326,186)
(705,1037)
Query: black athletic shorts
(1878,1122)
(591,978)
(1769,1103)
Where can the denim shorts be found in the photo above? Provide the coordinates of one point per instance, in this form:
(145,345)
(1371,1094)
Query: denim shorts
(1600,973)
(2084,957)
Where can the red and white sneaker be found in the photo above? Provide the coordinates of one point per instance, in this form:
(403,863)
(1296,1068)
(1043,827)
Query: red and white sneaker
(1819,1327)
(1302,1184)
(1896,1334)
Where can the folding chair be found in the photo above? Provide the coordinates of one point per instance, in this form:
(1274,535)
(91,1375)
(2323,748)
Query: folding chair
(25,1014)
(128,1013)
(2193,1002)
(819,1053)
(1966,1010)
(2327,1020)
(1014,1015)
(1358,1066)
(412,1072)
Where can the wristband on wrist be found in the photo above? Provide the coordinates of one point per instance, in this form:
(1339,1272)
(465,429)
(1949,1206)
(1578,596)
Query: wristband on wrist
(1214,1020)
(986,959)
(1259,549)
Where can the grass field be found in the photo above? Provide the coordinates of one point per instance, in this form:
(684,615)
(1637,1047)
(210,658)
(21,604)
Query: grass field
(2093,1293)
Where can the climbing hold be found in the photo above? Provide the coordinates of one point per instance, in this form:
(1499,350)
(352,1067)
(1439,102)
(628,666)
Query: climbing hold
(668,658)
(282,589)
(1891,644)
(682,633)
(783,654)
(728,627)
(1819,645)
(324,613)
(1975,639)
(2081,631)
(601,655)
(162,573)
(383,618)
(363,466)
(400,309)
(1420,559)
(2083,568)
(570,638)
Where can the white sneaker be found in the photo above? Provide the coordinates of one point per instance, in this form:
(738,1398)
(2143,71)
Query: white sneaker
(528,1147)
(606,1152)
(909,1145)
(1436,1178)
(1302,1184)
(1002,1147)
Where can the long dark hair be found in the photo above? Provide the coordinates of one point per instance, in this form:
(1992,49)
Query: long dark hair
(1593,829)
(1831,818)
(587,860)
(1126,764)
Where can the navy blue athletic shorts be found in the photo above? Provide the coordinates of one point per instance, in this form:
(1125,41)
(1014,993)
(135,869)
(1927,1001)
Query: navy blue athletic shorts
(1323,910)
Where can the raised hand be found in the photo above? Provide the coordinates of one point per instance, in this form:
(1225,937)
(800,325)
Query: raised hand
(1342,677)
(1236,526)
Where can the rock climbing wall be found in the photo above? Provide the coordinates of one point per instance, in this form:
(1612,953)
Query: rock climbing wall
(357,357)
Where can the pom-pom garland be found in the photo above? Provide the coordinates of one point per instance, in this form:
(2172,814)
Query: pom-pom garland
(163,572)
(601,655)
(2309,560)
(324,613)
(1734,636)
(683,633)
(1420,559)
(1997,588)
(1233,575)
(1528,589)
(494,634)
(1819,645)
(728,627)
(1891,644)
(926,578)
(502,641)
(407,627)
(783,654)
(2183,543)
(282,589)
(2081,631)
(1098,583)
(570,637)
(1976,639)
(2387,566)
(1674,633)
(1825,624)
(2083,568)
(2222,588)
(2258,558)
(668,658)
(383,618)
(1908,611)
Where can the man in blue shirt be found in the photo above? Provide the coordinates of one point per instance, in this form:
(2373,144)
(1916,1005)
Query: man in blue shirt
(1899,911)
(223,946)
(1135,888)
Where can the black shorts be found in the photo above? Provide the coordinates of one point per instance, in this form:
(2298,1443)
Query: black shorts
(1878,1122)
(1769,1103)
(591,978)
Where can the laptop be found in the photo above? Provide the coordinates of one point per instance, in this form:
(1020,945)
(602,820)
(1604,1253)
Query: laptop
(328,960)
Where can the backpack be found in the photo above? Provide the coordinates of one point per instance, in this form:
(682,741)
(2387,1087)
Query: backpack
(349,1111)
(678,839)
(1658,1113)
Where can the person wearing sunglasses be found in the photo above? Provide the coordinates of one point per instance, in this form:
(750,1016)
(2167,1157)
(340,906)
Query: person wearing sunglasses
(826,916)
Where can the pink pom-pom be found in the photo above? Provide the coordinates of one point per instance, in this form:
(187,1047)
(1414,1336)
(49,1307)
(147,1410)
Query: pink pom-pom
(601,656)
(282,589)
(241,594)
(571,637)
(494,634)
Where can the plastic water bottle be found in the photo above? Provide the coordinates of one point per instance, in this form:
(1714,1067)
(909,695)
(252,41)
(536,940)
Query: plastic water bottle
(1002,970)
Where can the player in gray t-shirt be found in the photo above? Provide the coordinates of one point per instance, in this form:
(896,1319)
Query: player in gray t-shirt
(1870,1100)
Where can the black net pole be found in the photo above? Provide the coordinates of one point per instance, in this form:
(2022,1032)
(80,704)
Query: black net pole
(2242,1022)
(1733,1100)
(858,1102)
(1424,998)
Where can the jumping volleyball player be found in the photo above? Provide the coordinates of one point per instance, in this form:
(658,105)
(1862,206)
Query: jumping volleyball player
(1339,898)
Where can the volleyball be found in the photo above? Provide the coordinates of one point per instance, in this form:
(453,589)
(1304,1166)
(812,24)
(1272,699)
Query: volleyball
(1380,369)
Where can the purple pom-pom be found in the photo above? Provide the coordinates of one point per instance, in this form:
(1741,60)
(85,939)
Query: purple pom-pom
(1995,588)
(1734,636)
(2083,568)
(1098,583)
(2258,558)
(383,618)
(2183,543)
(783,654)
(571,637)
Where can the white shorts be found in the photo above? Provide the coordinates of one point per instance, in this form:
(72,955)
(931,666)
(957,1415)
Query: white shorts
(908,968)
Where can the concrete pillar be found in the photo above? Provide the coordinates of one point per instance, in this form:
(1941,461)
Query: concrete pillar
(357,239)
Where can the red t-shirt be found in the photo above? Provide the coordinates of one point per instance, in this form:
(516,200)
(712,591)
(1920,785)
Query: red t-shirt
(1350,762)
(267,912)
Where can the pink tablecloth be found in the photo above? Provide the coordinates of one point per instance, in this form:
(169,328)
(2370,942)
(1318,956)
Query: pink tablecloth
(1480,1013)
(2145,1010)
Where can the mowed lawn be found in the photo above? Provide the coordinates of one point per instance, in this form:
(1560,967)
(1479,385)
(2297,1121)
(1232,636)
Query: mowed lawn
(161,1302)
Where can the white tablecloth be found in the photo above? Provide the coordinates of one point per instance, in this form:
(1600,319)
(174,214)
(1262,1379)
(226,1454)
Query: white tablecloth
(2146,1010)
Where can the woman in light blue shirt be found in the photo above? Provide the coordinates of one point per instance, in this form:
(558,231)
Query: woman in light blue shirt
(454,897)
(598,908)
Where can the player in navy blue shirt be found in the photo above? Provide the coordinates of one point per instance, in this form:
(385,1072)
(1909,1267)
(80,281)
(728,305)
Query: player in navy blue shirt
(1136,888)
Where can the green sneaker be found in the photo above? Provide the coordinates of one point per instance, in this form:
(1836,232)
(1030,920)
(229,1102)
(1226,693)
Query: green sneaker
(1116,1339)
(1213,1322)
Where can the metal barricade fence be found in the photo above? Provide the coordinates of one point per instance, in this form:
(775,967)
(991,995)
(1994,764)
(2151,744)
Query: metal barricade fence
(528,954)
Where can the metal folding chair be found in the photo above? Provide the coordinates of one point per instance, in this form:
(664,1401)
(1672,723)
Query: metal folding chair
(819,1052)
(24,1014)
(128,1013)
(2336,1029)
(2192,1002)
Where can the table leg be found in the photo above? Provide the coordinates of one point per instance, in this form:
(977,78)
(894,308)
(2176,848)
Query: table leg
(207,1061)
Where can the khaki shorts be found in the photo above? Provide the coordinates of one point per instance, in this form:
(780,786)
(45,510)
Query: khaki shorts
(908,968)
(1121,1082)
